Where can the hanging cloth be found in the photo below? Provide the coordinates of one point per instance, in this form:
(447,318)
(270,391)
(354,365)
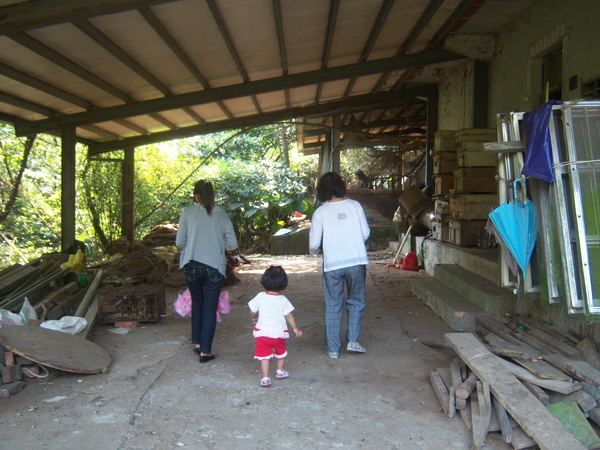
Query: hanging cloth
(538,154)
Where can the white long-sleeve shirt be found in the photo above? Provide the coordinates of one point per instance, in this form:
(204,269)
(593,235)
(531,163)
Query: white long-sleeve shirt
(204,238)
(341,228)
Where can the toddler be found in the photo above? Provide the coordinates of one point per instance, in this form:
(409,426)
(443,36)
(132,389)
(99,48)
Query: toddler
(269,311)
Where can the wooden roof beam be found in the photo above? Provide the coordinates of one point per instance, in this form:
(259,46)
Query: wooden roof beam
(42,13)
(382,99)
(236,91)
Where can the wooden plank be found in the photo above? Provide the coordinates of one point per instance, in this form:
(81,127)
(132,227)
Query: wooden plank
(573,419)
(543,369)
(537,392)
(521,440)
(588,351)
(440,390)
(478,416)
(521,373)
(502,347)
(584,400)
(531,415)
(466,416)
(456,380)
(594,415)
(503,420)
(498,328)
(578,369)
(504,147)
(555,344)
(555,329)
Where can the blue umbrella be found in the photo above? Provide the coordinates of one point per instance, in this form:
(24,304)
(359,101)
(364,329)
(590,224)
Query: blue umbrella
(515,222)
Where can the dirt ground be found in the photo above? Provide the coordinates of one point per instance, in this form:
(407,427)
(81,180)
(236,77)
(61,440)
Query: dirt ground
(157,395)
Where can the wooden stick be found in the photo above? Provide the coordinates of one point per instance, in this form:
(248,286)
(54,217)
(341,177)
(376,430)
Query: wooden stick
(395,261)
(467,386)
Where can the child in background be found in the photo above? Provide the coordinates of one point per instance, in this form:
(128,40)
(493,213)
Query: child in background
(270,310)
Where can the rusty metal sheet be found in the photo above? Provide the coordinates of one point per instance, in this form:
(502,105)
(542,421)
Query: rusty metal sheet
(55,349)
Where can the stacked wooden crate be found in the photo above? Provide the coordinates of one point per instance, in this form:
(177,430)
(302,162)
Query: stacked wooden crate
(444,163)
(474,192)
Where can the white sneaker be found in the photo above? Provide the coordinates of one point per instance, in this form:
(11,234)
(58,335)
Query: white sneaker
(356,347)
(333,355)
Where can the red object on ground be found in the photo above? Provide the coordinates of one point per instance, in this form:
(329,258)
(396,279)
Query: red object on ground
(410,261)
(298,214)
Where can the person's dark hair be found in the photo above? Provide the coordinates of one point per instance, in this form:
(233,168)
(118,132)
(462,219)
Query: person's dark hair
(360,174)
(274,279)
(206,194)
(330,185)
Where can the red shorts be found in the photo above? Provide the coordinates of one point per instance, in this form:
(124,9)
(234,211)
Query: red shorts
(267,347)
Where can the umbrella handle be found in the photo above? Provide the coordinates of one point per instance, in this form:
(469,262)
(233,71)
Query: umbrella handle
(516,193)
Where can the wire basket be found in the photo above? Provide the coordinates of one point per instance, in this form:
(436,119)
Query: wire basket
(140,303)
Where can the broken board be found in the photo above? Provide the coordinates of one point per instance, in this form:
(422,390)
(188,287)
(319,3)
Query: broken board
(545,429)
(55,349)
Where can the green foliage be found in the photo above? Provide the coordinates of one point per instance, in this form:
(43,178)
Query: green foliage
(260,198)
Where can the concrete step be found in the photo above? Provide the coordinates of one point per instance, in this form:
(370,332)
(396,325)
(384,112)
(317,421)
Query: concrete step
(486,295)
(458,312)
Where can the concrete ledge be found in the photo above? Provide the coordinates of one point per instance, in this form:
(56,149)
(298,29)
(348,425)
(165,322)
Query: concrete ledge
(488,296)
(458,312)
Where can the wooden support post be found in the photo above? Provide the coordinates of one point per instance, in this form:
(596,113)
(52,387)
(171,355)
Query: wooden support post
(67,208)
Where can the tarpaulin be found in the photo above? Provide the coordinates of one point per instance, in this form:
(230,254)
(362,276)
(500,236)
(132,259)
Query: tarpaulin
(538,154)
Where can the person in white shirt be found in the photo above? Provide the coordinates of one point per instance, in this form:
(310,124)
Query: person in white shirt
(339,226)
(270,312)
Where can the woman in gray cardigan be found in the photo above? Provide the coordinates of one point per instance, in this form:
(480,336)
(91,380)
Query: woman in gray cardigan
(205,232)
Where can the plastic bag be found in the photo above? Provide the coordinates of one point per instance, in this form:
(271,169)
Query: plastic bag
(66,324)
(26,314)
(183,304)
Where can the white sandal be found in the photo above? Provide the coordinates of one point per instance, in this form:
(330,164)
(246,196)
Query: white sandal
(265,382)
(282,374)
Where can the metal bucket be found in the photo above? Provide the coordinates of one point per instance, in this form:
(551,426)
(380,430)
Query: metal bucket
(414,201)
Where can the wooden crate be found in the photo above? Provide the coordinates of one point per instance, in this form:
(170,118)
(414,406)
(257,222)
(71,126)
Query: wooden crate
(465,233)
(441,208)
(440,230)
(476,158)
(475,180)
(443,141)
(444,163)
(472,207)
(475,134)
(443,184)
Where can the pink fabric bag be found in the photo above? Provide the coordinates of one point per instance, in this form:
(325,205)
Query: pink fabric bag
(183,304)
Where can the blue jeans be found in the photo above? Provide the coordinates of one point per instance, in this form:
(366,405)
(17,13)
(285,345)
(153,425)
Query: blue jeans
(205,284)
(334,282)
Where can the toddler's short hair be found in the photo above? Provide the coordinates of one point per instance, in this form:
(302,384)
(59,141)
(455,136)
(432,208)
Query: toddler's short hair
(274,279)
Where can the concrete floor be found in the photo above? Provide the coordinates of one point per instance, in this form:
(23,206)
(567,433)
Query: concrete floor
(157,396)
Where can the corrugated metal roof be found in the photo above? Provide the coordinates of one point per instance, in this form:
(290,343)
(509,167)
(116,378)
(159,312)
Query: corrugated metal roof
(129,72)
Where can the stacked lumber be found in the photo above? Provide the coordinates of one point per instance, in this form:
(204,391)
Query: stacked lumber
(528,380)
(154,259)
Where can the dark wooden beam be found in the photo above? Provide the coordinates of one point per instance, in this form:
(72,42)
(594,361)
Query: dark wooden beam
(238,90)
(41,13)
(382,99)
(375,30)
(334,8)
(423,22)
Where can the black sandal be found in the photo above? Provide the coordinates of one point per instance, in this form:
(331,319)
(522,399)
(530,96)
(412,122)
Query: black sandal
(207,358)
